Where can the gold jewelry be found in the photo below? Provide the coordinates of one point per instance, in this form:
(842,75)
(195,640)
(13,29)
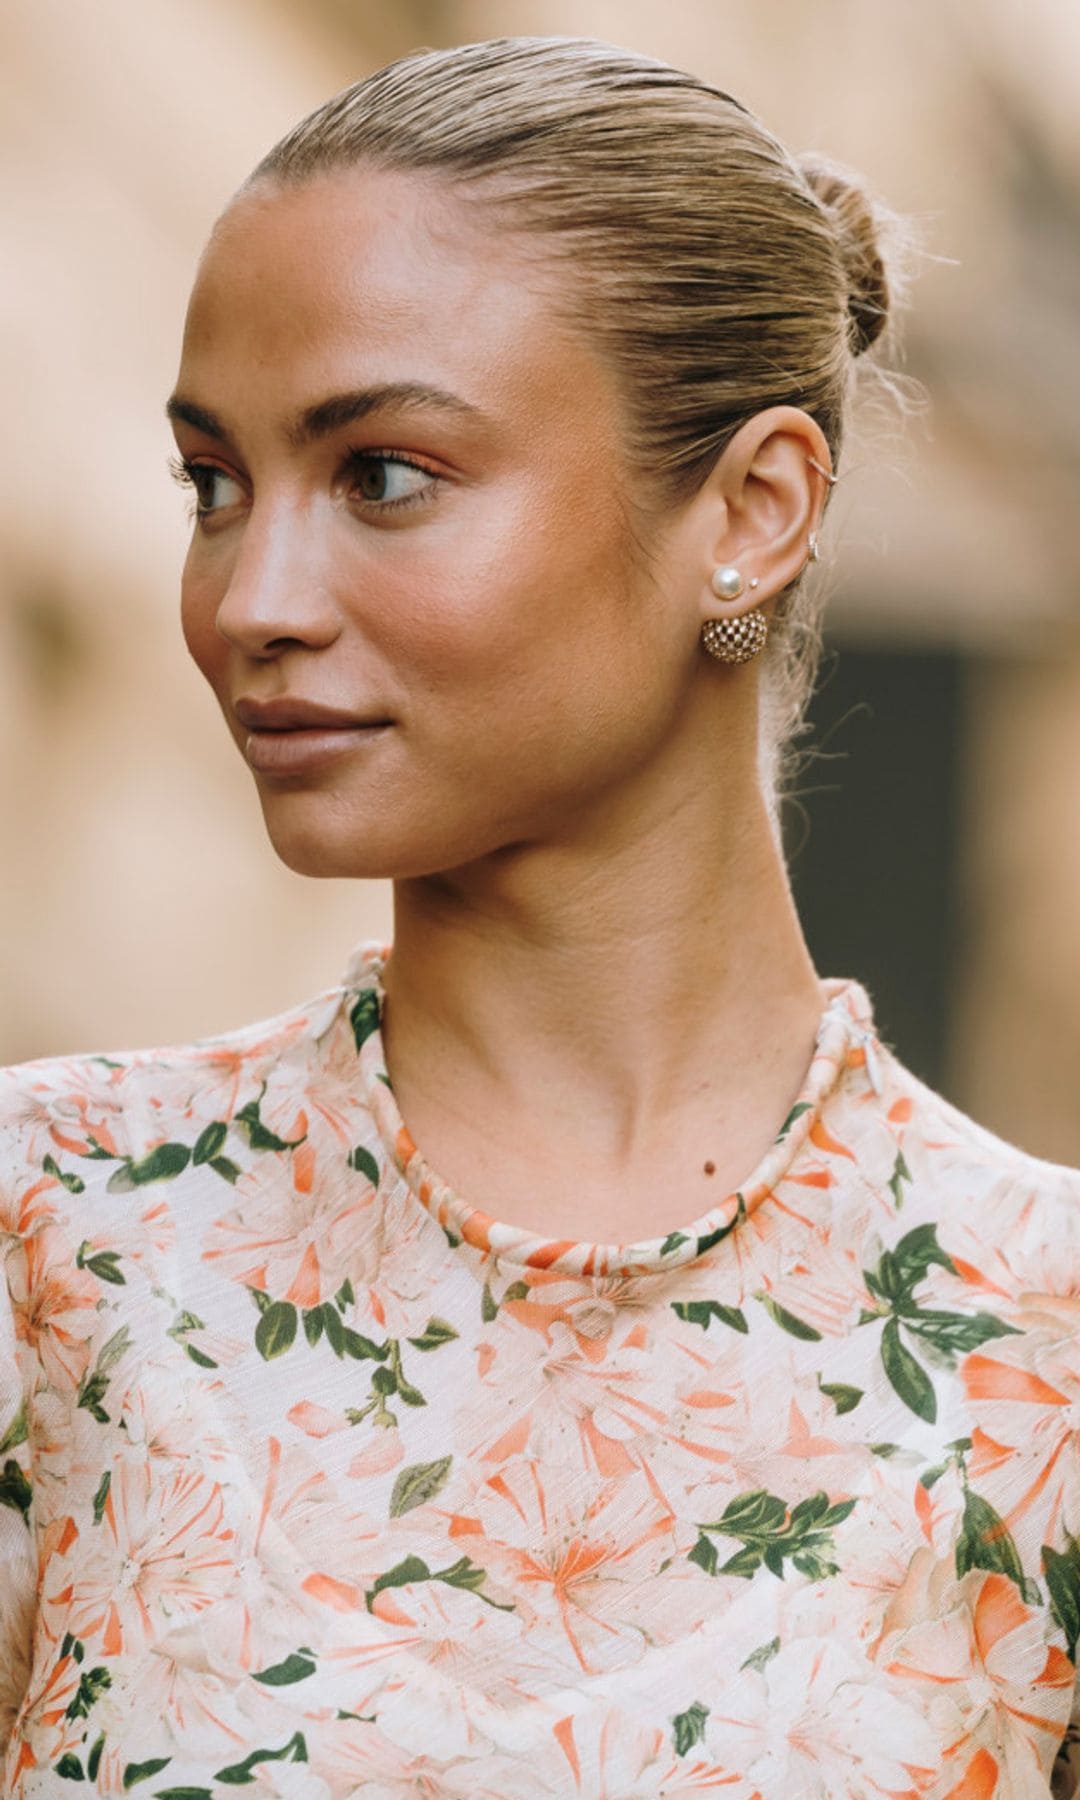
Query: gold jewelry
(735,640)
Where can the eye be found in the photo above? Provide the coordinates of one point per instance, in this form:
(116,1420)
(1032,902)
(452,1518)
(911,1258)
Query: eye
(386,479)
(203,479)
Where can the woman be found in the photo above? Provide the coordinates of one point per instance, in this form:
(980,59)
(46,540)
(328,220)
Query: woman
(572,1356)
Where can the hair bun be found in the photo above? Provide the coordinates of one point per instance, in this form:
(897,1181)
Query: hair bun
(856,224)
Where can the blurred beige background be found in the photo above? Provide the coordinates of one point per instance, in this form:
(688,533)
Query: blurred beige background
(140,902)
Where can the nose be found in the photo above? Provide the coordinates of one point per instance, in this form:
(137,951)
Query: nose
(278,593)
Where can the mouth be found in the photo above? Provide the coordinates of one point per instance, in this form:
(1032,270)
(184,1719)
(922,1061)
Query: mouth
(291,735)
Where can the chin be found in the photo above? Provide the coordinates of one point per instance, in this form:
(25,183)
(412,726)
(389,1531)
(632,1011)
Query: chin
(312,840)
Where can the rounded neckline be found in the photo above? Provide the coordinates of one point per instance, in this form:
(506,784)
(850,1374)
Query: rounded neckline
(845,1042)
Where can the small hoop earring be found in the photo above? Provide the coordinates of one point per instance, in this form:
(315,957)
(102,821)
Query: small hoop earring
(735,640)
(813,546)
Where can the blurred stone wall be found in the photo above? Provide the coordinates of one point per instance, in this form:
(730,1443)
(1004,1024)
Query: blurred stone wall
(141,902)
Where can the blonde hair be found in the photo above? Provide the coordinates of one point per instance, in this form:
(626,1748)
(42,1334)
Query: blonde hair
(718,274)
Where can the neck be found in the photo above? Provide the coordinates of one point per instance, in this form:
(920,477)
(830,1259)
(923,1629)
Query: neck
(609,980)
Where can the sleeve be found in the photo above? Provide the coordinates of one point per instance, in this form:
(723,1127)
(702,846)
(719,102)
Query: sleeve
(18,1563)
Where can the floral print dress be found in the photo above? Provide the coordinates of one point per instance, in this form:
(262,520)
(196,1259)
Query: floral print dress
(316,1482)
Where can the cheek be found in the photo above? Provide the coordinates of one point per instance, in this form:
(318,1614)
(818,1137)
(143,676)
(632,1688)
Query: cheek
(198,611)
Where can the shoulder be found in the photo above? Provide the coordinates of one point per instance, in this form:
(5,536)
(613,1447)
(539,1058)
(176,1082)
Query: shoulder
(62,1115)
(996,1184)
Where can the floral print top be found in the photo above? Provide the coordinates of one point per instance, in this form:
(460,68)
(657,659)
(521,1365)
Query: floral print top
(316,1482)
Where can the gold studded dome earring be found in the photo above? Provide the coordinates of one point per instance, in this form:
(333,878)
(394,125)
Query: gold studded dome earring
(733,640)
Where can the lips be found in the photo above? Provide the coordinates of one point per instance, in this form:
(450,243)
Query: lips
(290,713)
(291,737)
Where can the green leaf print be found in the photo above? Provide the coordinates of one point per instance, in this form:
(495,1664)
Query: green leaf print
(908,1377)
(489,1306)
(435,1332)
(956,1334)
(333,1326)
(362,1160)
(701,1312)
(296,1667)
(15,1490)
(241,1773)
(97,1152)
(461,1574)
(844,1398)
(711,1238)
(183,1323)
(689,1728)
(313,1324)
(74,1183)
(943,1335)
(672,1242)
(985,1542)
(226,1169)
(102,1263)
(770,1533)
(360,1347)
(704,1554)
(70,1768)
(17,1431)
(901,1173)
(210,1142)
(1062,1571)
(260,1137)
(364,1016)
(761,1657)
(94,1757)
(95,1383)
(796,1112)
(418,1484)
(102,1496)
(136,1772)
(183,1793)
(916,1253)
(163,1164)
(92,1684)
(409,1569)
(780,1316)
(410,1394)
(276,1330)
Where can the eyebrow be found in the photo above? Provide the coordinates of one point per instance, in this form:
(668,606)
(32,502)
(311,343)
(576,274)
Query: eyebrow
(329,415)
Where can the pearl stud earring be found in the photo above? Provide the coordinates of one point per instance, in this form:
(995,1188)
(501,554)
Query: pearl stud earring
(733,640)
(727,582)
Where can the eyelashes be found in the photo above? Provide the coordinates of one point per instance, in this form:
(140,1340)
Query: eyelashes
(199,478)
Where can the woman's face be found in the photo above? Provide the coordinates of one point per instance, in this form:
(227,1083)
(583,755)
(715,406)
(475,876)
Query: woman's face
(411,518)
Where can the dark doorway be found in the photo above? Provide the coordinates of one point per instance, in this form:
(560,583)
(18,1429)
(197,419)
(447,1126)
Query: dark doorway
(872,838)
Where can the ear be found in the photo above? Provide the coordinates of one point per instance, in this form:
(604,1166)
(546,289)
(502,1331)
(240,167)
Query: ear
(759,505)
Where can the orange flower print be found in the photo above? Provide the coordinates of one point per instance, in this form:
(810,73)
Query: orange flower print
(987,1677)
(164,1550)
(1024,1394)
(55,1304)
(294,1245)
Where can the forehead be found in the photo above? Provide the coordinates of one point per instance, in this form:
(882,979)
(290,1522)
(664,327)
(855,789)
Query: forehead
(369,275)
